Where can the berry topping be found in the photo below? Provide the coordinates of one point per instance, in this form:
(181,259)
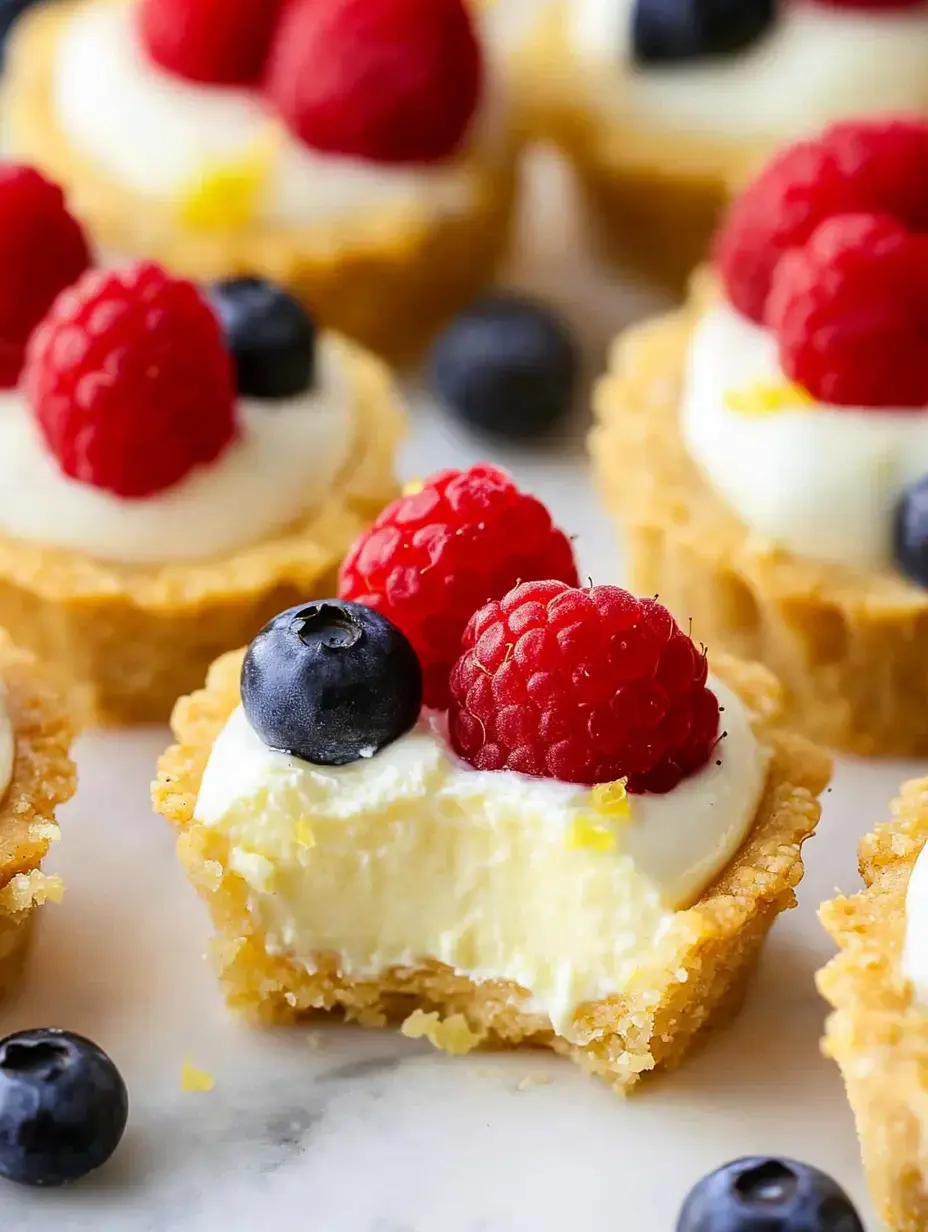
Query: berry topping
(587,686)
(680,30)
(216,42)
(776,1195)
(331,682)
(130,382)
(42,251)
(872,166)
(63,1107)
(439,552)
(506,366)
(270,336)
(850,313)
(392,81)
(910,532)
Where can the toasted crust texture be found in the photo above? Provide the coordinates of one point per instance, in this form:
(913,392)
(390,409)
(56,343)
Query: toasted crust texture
(850,648)
(654,196)
(128,640)
(877,1033)
(696,984)
(43,777)
(387,280)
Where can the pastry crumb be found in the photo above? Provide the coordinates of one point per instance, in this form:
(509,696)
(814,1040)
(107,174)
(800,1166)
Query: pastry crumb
(528,1081)
(194,1079)
(452,1035)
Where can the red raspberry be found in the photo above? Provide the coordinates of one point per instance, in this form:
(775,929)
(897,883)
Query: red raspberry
(392,81)
(850,313)
(130,381)
(216,42)
(874,166)
(42,250)
(587,686)
(434,556)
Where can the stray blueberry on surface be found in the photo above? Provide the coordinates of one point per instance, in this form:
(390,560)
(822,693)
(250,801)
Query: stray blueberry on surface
(270,336)
(331,682)
(507,367)
(758,1194)
(667,31)
(63,1107)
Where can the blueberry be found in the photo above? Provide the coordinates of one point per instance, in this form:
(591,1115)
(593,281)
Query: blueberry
(768,1195)
(331,682)
(271,337)
(10,11)
(506,366)
(664,31)
(910,532)
(63,1107)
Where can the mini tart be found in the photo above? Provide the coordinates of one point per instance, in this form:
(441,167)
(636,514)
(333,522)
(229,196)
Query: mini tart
(850,647)
(389,281)
(878,1034)
(652,1027)
(653,197)
(128,640)
(43,777)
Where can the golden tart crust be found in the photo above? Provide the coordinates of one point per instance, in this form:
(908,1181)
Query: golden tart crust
(849,647)
(43,777)
(652,1027)
(653,197)
(128,640)
(388,279)
(877,1034)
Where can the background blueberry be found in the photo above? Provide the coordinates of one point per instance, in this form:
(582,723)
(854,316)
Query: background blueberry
(768,1195)
(63,1107)
(506,366)
(910,532)
(331,682)
(674,30)
(9,12)
(270,335)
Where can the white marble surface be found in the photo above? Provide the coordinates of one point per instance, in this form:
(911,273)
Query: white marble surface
(338,1130)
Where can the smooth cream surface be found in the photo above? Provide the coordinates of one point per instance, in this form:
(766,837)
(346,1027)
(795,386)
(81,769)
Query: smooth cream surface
(411,855)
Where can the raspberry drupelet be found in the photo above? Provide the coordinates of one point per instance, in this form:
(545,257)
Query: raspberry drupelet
(585,686)
(438,552)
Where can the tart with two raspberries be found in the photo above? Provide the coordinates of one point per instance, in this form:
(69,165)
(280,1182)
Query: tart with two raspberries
(766,447)
(664,109)
(360,153)
(175,462)
(393,801)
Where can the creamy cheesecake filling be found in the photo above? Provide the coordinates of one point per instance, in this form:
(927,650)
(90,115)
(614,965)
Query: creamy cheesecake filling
(284,462)
(820,481)
(817,63)
(915,949)
(169,139)
(412,855)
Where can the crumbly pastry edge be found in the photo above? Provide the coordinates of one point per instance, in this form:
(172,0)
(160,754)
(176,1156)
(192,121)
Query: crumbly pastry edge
(850,648)
(653,195)
(388,281)
(877,1033)
(43,777)
(700,983)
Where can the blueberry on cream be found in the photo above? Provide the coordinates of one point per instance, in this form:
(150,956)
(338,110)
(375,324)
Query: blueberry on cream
(270,336)
(666,31)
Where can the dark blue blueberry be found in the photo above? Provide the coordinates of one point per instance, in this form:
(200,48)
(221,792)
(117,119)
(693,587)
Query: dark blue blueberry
(10,11)
(768,1195)
(330,682)
(63,1107)
(910,532)
(667,31)
(506,366)
(271,337)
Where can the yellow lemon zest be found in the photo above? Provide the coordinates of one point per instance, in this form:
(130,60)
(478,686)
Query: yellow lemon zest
(303,833)
(414,487)
(226,194)
(193,1079)
(453,1035)
(590,834)
(767,398)
(612,799)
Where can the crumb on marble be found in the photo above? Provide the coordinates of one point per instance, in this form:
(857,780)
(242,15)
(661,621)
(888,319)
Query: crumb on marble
(528,1081)
(452,1035)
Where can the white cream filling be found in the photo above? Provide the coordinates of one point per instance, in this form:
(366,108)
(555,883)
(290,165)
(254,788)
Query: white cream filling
(915,950)
(160,136)
(815,64)
(820,481)
(284,462)
(411,855)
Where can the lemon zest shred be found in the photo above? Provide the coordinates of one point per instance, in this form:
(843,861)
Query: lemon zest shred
(227,192)
(590,834)
(612,799)
(303,833)
(194,1079)
(767,398)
